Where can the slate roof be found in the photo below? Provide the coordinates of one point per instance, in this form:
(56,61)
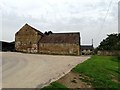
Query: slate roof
(84,47)
(70,38)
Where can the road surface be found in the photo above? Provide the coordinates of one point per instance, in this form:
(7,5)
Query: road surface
(35,70)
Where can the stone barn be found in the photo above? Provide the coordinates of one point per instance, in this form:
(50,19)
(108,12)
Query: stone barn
(31,40)
(27,39)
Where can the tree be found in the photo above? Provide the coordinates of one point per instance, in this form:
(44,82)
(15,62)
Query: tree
(48,33)
(112,42)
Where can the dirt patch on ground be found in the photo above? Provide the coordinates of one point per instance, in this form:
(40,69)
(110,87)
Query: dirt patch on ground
(114,79)
(73,80)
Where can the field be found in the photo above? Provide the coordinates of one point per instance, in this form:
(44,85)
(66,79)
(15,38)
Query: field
(98,71)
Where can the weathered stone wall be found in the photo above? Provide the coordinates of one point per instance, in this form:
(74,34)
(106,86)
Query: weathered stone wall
(54,48)
(109,53)
(27,41)
(87,52)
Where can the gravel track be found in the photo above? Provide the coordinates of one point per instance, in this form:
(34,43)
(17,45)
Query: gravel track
(35,70)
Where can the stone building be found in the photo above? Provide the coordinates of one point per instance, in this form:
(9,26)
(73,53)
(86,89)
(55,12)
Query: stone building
(31,40)
(87,49)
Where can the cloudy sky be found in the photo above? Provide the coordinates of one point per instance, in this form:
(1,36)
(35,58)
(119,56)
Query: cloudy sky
(94,19)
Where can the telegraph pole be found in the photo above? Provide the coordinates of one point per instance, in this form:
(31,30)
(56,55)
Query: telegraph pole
(92,42)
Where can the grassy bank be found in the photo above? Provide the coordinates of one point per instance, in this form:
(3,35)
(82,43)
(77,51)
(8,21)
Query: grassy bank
(100,71)
(55,86)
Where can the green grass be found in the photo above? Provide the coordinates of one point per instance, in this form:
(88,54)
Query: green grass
(55,86)
(103,71)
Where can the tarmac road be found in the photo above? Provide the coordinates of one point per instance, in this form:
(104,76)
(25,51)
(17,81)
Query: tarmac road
(35,70)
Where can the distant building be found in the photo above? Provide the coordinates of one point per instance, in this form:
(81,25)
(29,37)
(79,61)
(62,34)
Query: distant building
(7,46)
(87,49)
(31,40)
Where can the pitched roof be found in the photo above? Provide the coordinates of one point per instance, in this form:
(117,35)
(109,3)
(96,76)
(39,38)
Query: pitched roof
(71,38)
(86,47)
(26,26)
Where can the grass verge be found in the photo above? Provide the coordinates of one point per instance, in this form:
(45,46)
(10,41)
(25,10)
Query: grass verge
(55,86)
(100,71)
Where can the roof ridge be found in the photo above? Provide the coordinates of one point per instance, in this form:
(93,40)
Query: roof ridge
(67,33)
(33,28)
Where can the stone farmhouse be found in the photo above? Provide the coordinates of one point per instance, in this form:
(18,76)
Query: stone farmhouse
(87,49)
(31,40)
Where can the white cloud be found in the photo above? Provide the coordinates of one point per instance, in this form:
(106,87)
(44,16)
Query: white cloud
(85,16)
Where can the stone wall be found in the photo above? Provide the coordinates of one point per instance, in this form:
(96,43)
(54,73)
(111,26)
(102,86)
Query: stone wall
(86,52)
(109,53)
(27,41)
(65,49)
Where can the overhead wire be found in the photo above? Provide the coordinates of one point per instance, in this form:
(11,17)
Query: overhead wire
(104,19)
